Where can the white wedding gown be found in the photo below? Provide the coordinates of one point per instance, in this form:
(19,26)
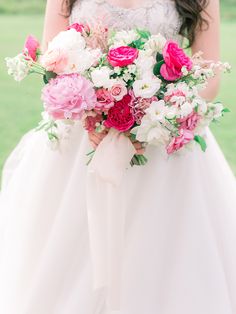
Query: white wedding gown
(179,254)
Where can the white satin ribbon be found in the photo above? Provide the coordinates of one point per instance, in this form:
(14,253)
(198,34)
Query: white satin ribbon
(106,213)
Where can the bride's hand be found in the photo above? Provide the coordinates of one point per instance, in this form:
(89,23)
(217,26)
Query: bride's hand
(95,139)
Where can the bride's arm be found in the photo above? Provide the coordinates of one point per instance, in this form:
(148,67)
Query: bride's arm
(54,22)
(208,41)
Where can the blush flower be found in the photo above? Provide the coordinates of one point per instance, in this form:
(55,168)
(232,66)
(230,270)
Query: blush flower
(185,136)
(175,59)
(122,56)
(68,96)
(120,116)
(118,90)
(54,60)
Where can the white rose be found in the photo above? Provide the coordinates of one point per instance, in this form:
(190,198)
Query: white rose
(147,87)
(17,67)
(68,40)
(101,77)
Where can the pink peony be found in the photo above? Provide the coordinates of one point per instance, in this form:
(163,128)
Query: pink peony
(175,59)
(31,47)
(118,91)
(190,122)
(54,60)
(120,116)
(68,96)
(185,136)
(122,56)
(104,100)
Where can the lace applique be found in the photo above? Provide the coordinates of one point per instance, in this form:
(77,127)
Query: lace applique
(158,16)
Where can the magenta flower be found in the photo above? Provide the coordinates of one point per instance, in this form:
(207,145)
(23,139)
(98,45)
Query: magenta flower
(31,47)
(68,96)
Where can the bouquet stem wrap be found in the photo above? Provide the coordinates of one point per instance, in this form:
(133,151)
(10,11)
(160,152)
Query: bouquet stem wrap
(106,213)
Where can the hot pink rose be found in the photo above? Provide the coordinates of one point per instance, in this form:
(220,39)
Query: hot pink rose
(31,47)
(118,91)
(54,60)
(175,59)
(122,56)
(104,100)
(185,136)
(120,116)
(190,122)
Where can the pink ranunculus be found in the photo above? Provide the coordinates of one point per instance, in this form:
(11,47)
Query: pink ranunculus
(31,47)
(122,56)
(104,100)
(68,96)
(185,136)
(120,116)
(190,122)
(54,60)
(118,91)
(175,59)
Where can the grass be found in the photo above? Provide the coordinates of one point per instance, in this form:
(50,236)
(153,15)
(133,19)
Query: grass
(21,106)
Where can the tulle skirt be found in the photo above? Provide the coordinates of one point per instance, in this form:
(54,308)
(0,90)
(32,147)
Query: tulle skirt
(180,232)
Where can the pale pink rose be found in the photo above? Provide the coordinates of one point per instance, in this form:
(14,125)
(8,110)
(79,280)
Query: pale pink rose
(31,47)
(175,59)
(104,100)
(54,60)
(68,97)
(122,56)
(190,122)
(118,91)
(185,136)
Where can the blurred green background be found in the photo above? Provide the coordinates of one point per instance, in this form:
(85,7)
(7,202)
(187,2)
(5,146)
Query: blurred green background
(20,102)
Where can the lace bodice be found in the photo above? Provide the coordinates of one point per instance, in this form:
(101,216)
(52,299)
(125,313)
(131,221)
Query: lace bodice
(158,16)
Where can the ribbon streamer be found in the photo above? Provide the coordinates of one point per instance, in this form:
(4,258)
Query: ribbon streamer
(106,214)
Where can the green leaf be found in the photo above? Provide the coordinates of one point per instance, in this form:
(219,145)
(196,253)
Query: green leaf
(48,75)
(143,33)
(201,141)
(159,57)
(157,68)
(225,110)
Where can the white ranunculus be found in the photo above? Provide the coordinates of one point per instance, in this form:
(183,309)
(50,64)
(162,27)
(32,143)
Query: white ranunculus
(147,87)
(101,77)
(124,38)
(17,67)
(68,40)
(151,132)
(155,43)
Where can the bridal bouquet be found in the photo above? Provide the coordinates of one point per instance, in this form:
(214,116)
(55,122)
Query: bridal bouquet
(139,84)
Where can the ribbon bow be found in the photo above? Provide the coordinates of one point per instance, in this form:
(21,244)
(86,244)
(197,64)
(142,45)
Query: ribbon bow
(106,213)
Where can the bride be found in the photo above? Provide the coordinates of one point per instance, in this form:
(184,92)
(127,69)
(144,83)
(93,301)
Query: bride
(165,245)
